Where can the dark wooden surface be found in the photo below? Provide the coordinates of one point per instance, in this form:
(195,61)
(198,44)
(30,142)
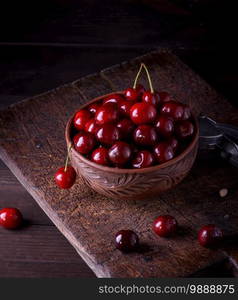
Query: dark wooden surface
(58,46)
(32,145)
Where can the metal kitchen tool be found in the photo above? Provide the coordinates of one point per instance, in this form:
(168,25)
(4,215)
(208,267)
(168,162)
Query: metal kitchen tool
(220,136)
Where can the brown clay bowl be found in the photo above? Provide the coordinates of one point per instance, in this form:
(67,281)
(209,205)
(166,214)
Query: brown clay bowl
(132,183)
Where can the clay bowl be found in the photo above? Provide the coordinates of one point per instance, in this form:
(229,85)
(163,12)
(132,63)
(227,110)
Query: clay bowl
(132,183)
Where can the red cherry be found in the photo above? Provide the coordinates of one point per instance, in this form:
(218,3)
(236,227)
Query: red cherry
(127,240)
(10,218)
(173,109)
(184,129)
(186,112)
(143,159)
(152,98)
(173,142)
(210,235)
(140,89)
(120,153)
(114,98)
(164,126)
(94,107)
(132,94)
(84,142)
(163,152)
(107,113)
(164,97)
(91,126)
(65,179)
(145,135)
(143,113)
(165,226)
(124,108)
(81,118)
(126,127)
(108,134)
(100,156)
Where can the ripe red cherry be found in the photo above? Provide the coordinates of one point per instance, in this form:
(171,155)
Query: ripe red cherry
(173,142)
(145,135)
(108,134)
(186,112)
(164,126)
(184,129)
(126,127)
(132,94)
(163,152)
(91,126)
(10,218)
(165,226)
(107,113)
(152,98)
(164,97)
(143,113)
(126,240)
(120,153)
(173,109)
(81,118)
(100,156)
(84,142)
(210,235)
(140,89)
(114,98)
(143,159)
(94,107)
(65,179)
(124,108)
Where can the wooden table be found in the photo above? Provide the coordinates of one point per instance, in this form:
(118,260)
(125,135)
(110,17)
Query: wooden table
(62,47)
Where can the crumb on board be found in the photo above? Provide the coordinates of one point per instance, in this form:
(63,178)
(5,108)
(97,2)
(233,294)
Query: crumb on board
(223,192)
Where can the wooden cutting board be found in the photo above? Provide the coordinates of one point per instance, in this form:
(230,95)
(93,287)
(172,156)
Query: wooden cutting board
(32,145)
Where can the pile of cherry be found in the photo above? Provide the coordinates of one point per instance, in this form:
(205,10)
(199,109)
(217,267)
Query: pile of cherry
(133,129)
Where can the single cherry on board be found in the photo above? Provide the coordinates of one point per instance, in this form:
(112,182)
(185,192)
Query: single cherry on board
(81,118)
(163,152)
(165,226)
(126,240)
(10,218)
(84,142)
(107,113)
(210,236)
(65,177)
(120,153)
(145,135)
(108,134)
(143,159)
(100,156)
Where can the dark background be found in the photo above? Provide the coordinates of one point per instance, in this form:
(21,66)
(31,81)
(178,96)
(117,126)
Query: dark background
(44,44)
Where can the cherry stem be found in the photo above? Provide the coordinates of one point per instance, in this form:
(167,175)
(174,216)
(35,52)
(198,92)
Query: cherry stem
(137,76)
(67,158)
(148,76)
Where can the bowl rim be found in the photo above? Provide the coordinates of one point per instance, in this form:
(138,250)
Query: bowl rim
(121,170)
